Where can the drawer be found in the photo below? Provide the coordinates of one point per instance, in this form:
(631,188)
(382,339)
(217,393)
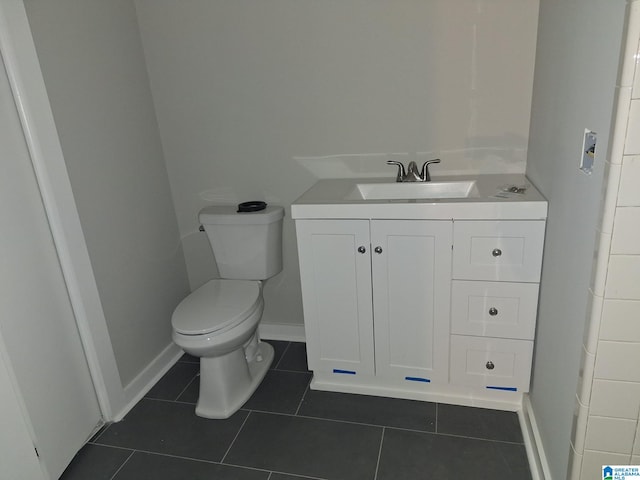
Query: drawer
(509,251)
(493,363)
(494,309)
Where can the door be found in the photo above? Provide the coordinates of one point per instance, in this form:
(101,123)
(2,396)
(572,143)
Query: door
(411,262)
(335,272)
(37,324)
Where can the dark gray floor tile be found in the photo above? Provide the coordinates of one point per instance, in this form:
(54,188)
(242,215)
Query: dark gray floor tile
(191,393)
(306,446)
(279,347)
(280,392)
(189,359)
(294,358)
(147,466)
(411,455)
(173,428)
(96,462)
(174,381)
(389,412)
(479,423)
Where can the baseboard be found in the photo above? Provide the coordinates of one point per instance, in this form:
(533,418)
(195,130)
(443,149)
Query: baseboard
(282,331)
(146,379)
(533,442)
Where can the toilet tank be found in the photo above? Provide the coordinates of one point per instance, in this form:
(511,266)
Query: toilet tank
(246,246)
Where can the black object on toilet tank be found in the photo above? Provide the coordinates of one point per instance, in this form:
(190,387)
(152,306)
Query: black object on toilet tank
(253,206)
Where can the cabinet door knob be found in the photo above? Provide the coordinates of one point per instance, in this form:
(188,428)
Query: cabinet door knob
(361,249)
(378,249)
(490,365)
(496,252)
(493,311)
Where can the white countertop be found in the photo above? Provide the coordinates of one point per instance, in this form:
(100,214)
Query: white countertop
(332,198)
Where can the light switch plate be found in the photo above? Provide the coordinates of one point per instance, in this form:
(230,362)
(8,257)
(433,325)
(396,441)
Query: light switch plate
(588,151)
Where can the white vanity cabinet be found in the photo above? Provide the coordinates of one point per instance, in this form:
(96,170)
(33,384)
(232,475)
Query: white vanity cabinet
(431,297)
(494,291)
(374,292)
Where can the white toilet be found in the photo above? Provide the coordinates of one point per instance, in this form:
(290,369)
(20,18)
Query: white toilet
(218,322)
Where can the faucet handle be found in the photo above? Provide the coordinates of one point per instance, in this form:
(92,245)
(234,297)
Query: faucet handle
(424,174)
(401,171)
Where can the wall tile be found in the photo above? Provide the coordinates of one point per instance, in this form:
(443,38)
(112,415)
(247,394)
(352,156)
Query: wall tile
(579,425)
(632,139)
(619,135)
(601,263)
(575,464)
(593,461)
(610,398)
(631,49)
(626,231)
(623,277)
(610,194)
(629,193)
(585,376)
(610,434)
(592,328)
(618,361)
(636,445)
(620,320)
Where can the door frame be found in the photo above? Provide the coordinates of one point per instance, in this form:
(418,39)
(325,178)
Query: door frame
(32,103)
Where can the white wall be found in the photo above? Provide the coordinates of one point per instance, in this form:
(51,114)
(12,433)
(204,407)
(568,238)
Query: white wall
(92,62)
(575,78)
(257,100)
(606,424)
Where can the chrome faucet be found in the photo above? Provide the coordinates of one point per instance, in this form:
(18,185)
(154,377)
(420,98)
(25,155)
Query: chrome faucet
(411,174)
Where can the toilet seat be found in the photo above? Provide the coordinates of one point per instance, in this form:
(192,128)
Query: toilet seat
(216,306)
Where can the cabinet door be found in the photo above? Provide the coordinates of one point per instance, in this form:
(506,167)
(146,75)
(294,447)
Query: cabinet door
(335,272)
(411,289)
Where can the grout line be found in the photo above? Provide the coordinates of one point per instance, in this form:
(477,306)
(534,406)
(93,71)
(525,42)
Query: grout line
(296,475)
(458,436)
(375,476)
(306,372)
(384,426)
(201,460)
(303,397)
(234,438)
(179,402)
(284,352)
(185,388)
(115,474)
(436,426)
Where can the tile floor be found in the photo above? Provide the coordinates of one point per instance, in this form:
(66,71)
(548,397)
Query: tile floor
(288,432)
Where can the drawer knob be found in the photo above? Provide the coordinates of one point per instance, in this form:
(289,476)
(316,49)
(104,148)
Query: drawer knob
(496,252)
(361,249)
(493,311)
(490,365)
(378,249)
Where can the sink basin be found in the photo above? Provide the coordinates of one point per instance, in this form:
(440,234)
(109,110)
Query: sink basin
(417,190)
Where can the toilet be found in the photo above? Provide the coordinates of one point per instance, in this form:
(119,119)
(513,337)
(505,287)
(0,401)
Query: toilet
(218,322)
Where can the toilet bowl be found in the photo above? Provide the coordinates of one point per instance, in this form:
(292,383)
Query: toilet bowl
(218,322)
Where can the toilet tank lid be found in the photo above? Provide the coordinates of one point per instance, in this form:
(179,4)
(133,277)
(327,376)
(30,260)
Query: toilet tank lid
(228,215)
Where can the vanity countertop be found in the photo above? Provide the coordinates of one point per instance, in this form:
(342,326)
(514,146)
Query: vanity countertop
(493,197)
